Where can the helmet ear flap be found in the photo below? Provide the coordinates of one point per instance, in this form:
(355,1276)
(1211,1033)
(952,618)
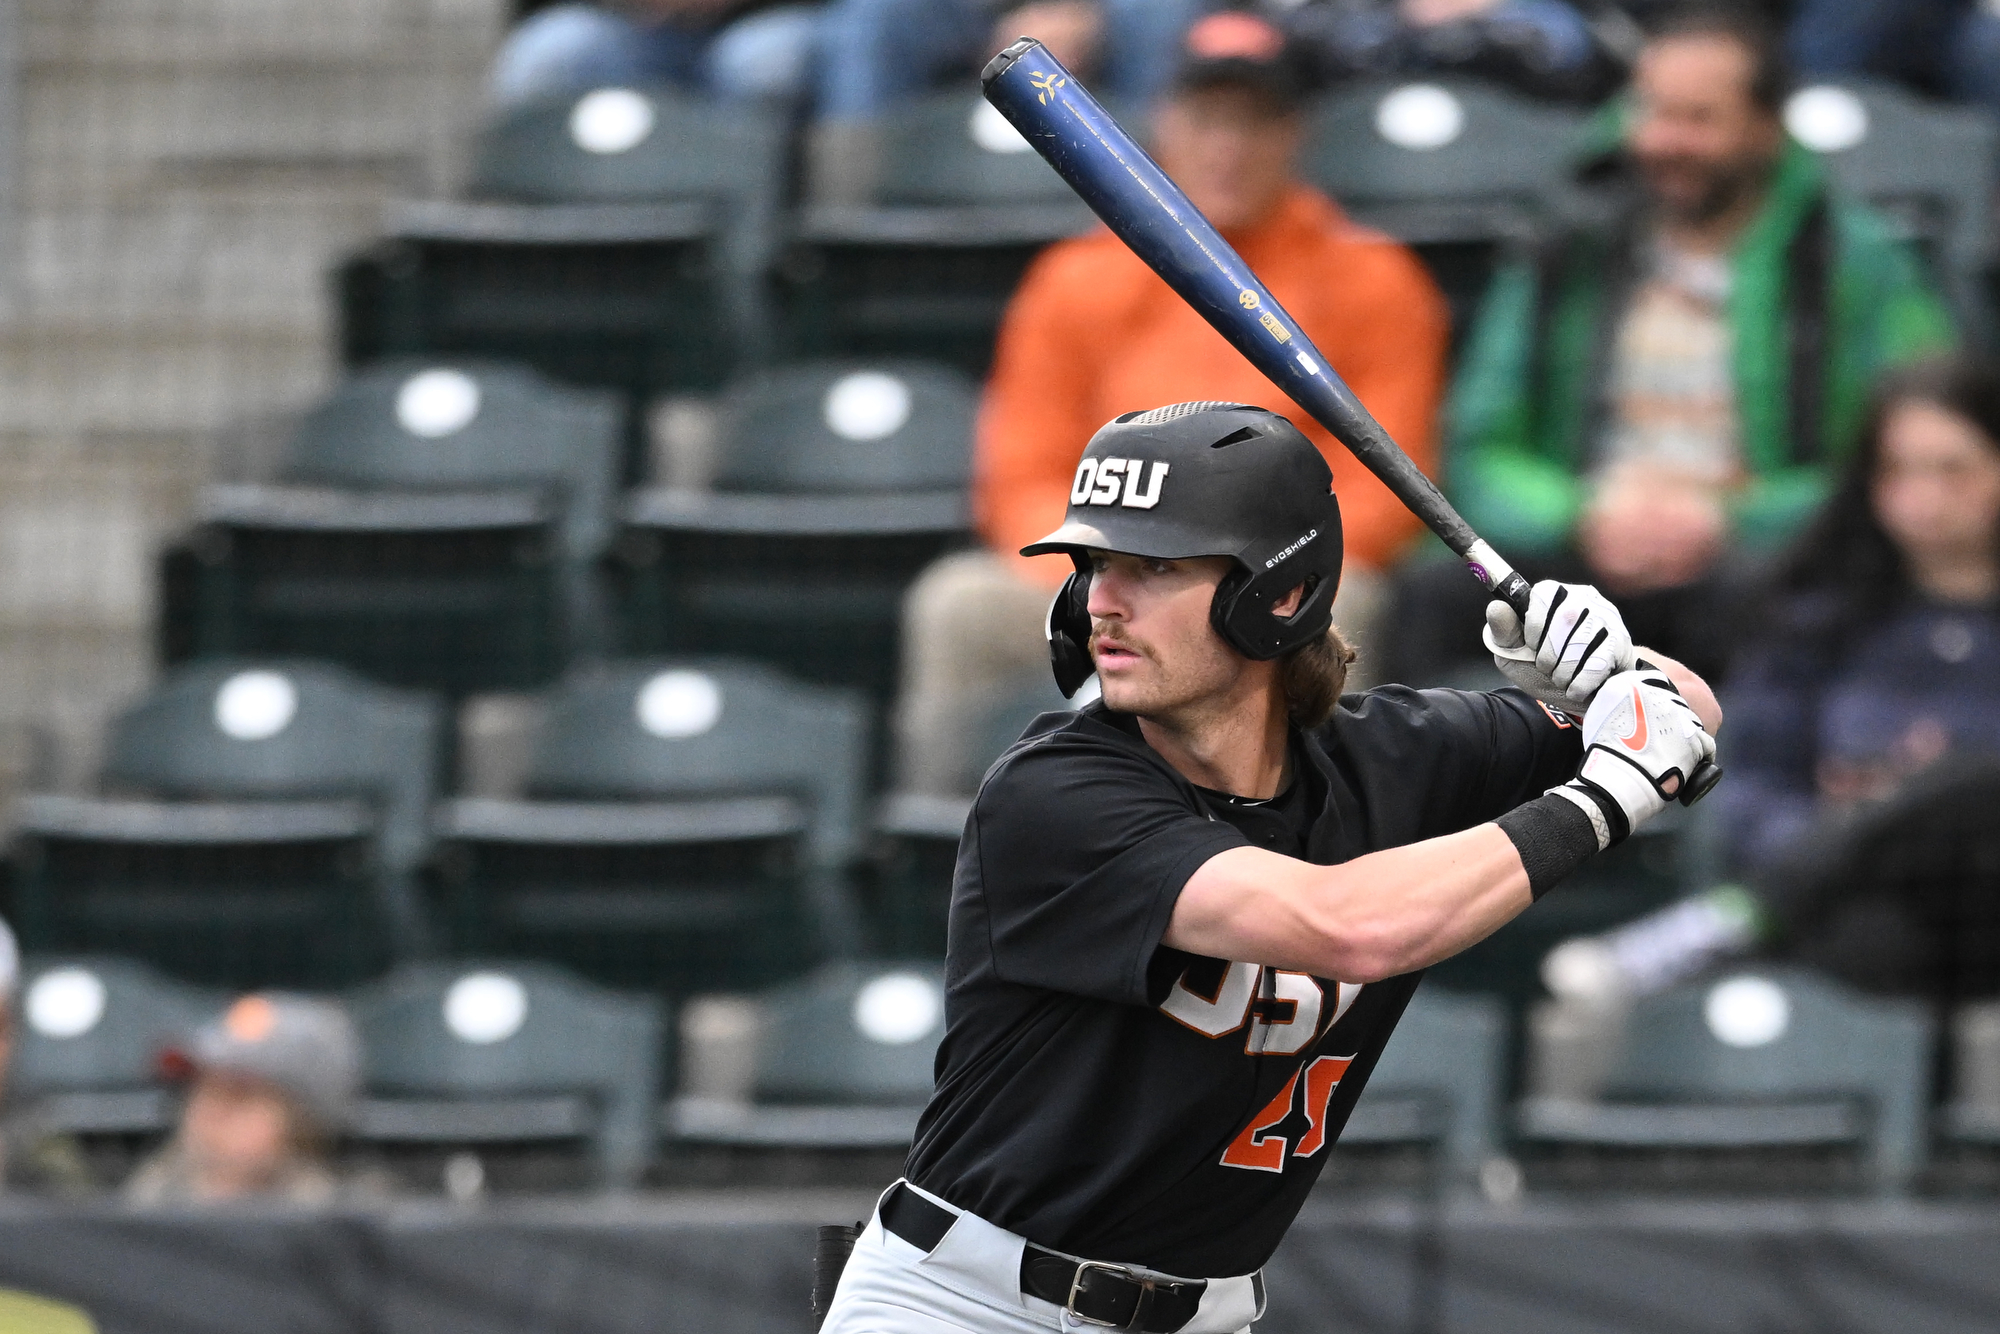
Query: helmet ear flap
(1069,633)
(1241,612)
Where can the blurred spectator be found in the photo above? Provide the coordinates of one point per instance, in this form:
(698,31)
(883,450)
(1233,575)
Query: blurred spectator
(1877,659)
(878,52)
(32,1156)
(1544,48)
(1092,333)
(1949,48)
(1665,381)
(274,1080)
(733,50)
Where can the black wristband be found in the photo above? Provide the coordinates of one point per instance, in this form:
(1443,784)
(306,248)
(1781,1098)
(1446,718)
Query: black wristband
(1553,836)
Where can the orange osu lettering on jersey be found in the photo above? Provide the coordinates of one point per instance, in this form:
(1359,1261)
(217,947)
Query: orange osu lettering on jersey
(1255,1147)
(1322,1078)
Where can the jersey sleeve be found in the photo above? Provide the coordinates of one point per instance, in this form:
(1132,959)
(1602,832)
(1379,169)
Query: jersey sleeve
(1080,852)
(1433,762)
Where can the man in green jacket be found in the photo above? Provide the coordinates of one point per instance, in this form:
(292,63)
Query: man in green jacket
(1671,379)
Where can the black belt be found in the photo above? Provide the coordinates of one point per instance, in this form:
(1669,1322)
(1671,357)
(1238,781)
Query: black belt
(1094,1292)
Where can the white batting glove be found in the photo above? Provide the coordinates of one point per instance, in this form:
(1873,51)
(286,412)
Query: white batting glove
(1641,745)
(1573,641)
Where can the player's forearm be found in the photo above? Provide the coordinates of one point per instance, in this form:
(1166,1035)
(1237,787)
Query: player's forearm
(1377,916)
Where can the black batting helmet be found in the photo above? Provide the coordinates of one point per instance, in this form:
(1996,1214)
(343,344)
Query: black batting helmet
(1203,479)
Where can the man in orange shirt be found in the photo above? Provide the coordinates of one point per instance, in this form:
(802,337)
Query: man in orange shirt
(1093,333)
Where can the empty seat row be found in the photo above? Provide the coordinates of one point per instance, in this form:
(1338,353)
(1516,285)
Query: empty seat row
(491,1054)
(460,526)
(683,825)
(638,238)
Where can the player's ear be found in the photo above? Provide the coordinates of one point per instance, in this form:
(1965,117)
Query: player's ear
(1289,603)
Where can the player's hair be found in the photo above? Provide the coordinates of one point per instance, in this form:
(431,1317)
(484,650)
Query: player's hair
(1312,677)
(1770,72)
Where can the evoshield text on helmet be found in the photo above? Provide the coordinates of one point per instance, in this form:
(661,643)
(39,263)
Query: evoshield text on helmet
(1203,479)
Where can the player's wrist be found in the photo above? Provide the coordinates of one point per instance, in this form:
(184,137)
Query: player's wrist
(1554,835)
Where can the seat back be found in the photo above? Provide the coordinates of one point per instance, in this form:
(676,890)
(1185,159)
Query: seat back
(1449,1051)
(852,1033)
(640,145)
(98,1024)
(1930,167)
(1774,1035)
(1452,160)
(283,729)
(468,425)
(499,1030)
(956,148)
(707,727)
(834,427)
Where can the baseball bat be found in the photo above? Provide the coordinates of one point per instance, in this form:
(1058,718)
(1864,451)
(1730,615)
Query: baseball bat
(1149,213)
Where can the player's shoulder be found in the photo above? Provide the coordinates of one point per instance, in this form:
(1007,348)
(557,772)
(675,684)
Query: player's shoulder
(1067,762)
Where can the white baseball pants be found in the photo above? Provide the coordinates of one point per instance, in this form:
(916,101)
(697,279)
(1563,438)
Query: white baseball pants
(971,1284)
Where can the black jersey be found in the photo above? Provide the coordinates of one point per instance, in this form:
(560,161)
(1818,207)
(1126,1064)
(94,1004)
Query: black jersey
(1104,1095)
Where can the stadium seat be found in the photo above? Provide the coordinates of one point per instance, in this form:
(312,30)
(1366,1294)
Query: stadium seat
(1455,169)
(687,827)
(1439,1082)
(836,484)
(432,524)
(617,238)
(480,1055)
(1973,1115)
(1767,1059)
(844,1061)
(89,1033)
(961,207)
(1931,167)
(260,824)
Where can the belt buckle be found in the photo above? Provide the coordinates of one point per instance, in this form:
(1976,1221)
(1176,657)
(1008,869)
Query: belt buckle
(1146,1288)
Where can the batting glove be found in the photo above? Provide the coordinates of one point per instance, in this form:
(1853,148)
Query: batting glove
(1641,744)
(1573,641)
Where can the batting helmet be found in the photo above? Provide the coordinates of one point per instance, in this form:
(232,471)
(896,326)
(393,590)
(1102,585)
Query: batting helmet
(1203,479)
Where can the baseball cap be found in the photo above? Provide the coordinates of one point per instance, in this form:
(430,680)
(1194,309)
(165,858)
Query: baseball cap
(1235,49)
(302,1044)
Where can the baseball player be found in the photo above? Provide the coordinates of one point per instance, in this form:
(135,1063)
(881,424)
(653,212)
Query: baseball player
(1187,917)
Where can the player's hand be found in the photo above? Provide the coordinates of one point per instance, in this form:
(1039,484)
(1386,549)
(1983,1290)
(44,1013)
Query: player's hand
(1641,744)
(1573,641)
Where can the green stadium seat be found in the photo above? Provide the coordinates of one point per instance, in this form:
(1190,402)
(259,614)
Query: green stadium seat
(844,1061)
(491,1055)
(962,206)
(432,524)
(836,484)
(688,826)
(260,823)
(1770,1059)
(1439,1083)
(616,239)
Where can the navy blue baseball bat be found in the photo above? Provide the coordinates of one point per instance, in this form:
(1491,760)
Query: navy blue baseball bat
(1148,212)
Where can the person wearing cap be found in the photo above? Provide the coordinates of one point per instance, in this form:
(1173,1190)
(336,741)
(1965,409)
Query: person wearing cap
(274,1079)
(1186,918)
(33,1156)
(1092,332)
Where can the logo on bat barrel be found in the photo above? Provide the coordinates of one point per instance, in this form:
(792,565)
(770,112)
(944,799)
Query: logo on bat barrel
(1045,86)
(1249,300)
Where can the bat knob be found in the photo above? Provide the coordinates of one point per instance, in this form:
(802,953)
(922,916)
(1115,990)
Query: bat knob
(1701,782)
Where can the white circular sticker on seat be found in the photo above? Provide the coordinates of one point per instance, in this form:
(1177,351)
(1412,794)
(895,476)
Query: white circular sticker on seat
(66,1003)
(484,1008)
(255,706)
(897,1009)
(993,131)
(611,121)
(1747,1011)
(679,703)
(868,405)
(1826,119)
(1420,117)
(436,403)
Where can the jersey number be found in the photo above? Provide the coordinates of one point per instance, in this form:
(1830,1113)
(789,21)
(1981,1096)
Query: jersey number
(1258,1148)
